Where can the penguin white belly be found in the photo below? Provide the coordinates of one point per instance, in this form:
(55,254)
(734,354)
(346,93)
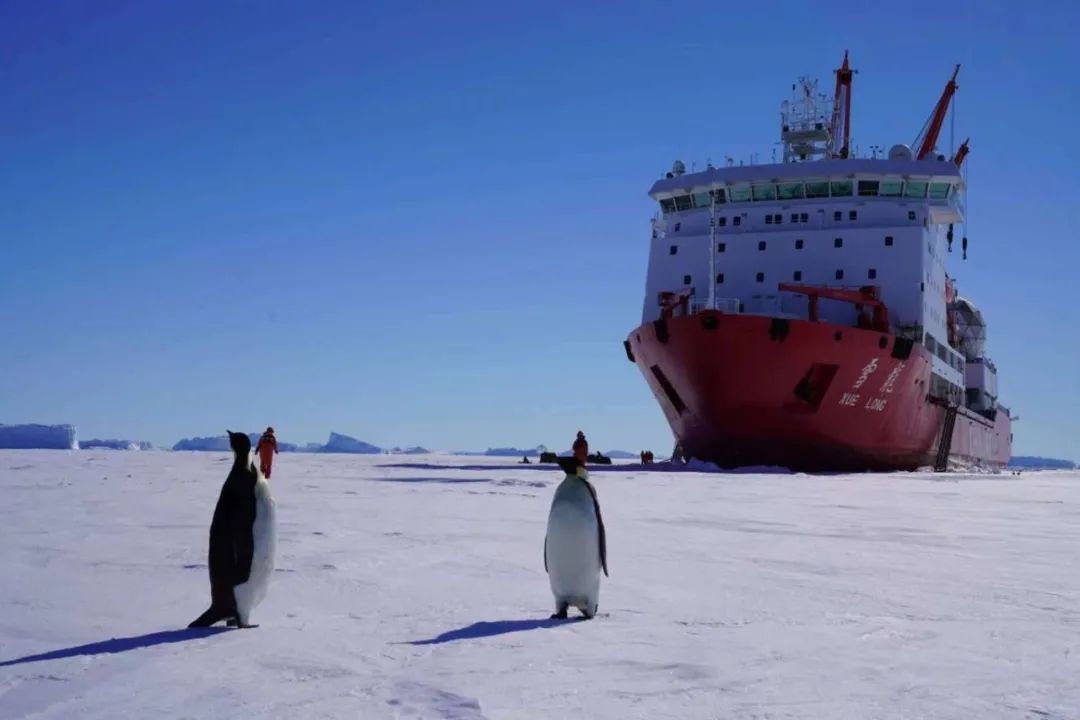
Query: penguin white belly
(572,549)
(264,532)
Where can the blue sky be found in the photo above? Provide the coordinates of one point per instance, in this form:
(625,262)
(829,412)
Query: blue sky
(427,223)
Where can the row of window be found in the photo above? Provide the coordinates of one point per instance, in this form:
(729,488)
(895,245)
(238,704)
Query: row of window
(764,192)
(778,219)
(796,276)
(763,245)
(796,218)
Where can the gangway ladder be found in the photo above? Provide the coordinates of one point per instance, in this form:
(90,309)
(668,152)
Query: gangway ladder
(941,463)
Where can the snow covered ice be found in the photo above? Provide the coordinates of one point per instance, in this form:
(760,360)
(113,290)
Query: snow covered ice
(418,591)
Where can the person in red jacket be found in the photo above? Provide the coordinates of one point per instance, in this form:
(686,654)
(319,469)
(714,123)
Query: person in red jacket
(581,448)
(267,449)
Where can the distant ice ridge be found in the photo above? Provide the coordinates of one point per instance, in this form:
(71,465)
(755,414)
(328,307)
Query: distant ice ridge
(337,443)
(514,452)
(115,445)
(1040,463)
(38,437)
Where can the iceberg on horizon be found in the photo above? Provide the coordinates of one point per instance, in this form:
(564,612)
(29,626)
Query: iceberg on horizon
(114,445)
(38,437)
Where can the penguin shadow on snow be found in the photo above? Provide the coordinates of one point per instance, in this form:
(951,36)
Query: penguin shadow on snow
(486,629)
(119,645)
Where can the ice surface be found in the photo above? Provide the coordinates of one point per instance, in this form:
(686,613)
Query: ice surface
(38,437)
(417,591)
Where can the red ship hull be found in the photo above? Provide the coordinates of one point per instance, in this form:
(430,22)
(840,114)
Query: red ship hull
(743,390)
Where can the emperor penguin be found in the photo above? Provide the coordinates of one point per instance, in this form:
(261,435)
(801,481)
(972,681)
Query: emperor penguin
(575,547)
(242,539)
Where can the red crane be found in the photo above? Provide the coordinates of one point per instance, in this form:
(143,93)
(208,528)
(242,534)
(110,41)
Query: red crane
(932,129)
(842,99)
(867,295)
(961,153)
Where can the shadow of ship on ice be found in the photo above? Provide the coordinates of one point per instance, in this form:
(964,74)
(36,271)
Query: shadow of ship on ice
(119,645)
(490,629)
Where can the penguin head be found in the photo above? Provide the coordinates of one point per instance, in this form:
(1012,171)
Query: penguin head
(572,466)
(239,442)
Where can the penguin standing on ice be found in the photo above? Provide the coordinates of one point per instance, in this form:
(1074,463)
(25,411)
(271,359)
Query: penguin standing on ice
(242,538)
(575,547)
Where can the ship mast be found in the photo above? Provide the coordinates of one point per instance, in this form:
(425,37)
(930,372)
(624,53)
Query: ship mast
(805,124)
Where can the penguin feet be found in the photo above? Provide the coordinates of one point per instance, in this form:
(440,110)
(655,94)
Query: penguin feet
(208,618)
(561,612)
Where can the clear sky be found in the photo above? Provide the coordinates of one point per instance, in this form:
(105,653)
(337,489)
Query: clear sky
(427,223)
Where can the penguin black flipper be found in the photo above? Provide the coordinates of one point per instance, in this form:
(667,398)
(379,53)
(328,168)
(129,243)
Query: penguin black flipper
(545,554)
(601,534)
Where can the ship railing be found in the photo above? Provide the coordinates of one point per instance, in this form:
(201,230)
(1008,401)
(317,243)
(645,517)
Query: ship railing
(731,306)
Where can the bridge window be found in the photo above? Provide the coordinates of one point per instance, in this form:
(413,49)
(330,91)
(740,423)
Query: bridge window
(915,189)
(871,273)
(736,220)
(794,217)
(764,192)
(703,199)
(798,244)
(890,188)
(839,274)
(804,217)
(841,188)
(673,250)
(837,216)
(797,277)
(939,191)
(817,189)
(760,277)
(739,193)
(667,205)
(911,215)
(719,197)
(868,188)
(683,202)
(790,191)
(768,219)
(722,220)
